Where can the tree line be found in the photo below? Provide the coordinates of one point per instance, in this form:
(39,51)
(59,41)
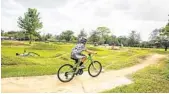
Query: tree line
(30,25)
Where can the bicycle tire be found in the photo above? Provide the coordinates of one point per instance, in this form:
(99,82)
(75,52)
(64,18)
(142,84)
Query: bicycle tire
(58,73)
(34,53)
(89,71)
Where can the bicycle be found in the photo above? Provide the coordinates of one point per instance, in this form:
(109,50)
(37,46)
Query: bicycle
(75,70)
(33,54)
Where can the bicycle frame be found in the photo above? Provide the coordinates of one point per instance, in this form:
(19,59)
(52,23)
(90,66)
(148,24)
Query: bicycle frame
(89,58)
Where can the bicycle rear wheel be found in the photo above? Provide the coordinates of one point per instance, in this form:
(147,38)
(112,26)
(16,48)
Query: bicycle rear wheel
(33,54)
(66,73)
(95,68)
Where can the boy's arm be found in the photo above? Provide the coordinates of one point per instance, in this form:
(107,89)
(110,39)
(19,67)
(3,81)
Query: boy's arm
(89,51)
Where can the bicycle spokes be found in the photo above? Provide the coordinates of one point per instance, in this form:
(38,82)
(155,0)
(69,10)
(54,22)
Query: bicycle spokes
(94,68)
(66,73)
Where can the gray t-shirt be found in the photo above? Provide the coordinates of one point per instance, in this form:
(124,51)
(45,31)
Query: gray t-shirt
(78,48)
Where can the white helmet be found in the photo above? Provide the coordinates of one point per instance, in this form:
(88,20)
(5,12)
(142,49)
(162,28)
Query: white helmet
(82,40)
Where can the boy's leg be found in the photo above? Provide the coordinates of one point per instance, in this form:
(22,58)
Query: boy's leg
(82,60)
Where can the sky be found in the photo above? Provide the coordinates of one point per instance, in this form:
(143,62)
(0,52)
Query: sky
(120,16)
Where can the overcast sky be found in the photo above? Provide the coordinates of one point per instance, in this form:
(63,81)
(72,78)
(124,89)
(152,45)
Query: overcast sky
(121,16)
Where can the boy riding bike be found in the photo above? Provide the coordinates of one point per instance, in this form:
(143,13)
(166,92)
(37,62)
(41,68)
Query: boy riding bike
(67,71)
(76,53)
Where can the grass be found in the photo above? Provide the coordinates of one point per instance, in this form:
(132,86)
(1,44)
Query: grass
(14,43)
(152,79)
(55,54)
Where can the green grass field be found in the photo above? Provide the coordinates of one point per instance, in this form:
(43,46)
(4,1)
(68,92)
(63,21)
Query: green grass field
(154,78)
(53,55)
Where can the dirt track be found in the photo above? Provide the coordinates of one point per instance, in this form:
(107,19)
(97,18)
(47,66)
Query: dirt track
(83,83)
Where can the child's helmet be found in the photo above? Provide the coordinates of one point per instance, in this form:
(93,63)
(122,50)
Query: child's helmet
(82,40)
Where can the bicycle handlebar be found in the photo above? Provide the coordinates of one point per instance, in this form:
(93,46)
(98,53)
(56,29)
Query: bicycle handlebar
(91,53)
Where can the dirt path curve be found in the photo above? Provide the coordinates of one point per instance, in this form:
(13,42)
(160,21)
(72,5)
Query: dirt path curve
(83,83)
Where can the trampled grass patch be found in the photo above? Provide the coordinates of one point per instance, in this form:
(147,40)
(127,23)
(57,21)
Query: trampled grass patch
(152,79)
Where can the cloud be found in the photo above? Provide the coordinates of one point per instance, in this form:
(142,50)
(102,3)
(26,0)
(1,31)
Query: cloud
(42,3)
(149,10)
(121,16)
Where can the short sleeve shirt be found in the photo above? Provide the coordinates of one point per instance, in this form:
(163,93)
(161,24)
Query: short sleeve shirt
(78,48)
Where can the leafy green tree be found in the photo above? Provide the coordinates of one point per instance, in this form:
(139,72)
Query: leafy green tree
(43,37)
(165,37)
(20,35)
(30,22)
(48,36)
(104,32)
(156,38)
(108,40)
(82,33)
(58,38)
(154,34)
(94,38)
(74,39)
(2,32)
(134,39)
(123,40)
(67,35)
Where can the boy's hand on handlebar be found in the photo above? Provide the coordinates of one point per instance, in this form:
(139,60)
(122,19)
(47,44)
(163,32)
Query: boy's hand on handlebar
(91,52)
(95,52)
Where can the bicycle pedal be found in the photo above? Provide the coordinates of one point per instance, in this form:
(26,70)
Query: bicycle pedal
(80,72)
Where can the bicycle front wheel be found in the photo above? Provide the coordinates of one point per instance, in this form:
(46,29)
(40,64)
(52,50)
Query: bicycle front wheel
(65,73)
(95,68)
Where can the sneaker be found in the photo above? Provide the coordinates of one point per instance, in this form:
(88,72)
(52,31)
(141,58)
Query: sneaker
(82,67)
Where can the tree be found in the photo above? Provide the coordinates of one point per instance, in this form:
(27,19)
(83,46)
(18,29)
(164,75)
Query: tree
(30,22)
(156,38)
(154,34)
(2,32)
(43,37)
(82,33)
(67,35)
(134,39)
(104,32)
(165,35)
(20,35)
(94,38)
(74,39)
(145,44)
(108,40)
(48,36)
(123,40)
(58,38)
